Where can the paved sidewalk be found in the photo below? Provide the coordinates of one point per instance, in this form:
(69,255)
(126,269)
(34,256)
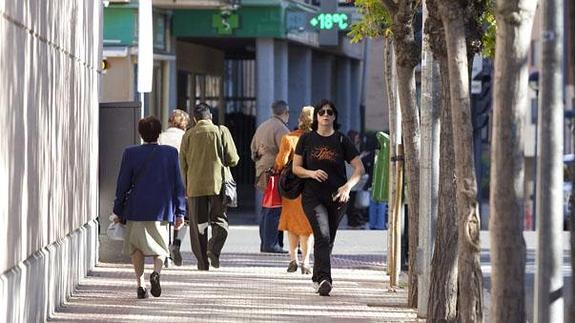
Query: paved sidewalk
(249,287)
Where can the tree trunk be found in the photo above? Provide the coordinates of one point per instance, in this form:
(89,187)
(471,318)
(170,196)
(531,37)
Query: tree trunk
(571,81)
(469,277)
(510,100)
(571,228)
(442,306)
(442,303)
(549,276)
(407,55)
(410,129)
(393,264)
(428,169)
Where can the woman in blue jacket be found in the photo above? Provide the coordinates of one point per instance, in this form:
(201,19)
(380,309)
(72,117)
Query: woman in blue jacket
(149,196)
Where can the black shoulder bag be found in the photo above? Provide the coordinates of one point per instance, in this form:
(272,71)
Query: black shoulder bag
(290,186)
(228,191)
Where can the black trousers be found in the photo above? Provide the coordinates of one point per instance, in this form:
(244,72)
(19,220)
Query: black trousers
(207,211)
(324,219)
(354,216)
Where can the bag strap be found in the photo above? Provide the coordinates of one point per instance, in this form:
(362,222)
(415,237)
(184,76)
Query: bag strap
(221,153)
(221,145)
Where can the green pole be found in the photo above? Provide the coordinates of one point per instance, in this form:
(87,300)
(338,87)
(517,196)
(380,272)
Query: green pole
(380,184)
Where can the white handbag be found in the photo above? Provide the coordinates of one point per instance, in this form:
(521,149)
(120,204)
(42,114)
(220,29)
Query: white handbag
(116,230)
(362,199)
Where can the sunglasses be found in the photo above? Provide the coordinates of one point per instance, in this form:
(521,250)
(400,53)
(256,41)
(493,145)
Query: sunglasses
(324,111)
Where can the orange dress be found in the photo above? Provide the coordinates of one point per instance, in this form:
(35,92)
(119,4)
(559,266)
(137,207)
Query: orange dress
(292,217)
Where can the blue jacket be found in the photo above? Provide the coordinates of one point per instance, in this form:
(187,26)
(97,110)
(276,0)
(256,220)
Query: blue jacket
(158,193)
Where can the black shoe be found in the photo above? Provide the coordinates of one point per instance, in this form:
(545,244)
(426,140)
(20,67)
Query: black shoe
(204,266)
(324,288)
(292,267)
(155,282)
(175,253)
(305,270)
(142,293)
(214,260)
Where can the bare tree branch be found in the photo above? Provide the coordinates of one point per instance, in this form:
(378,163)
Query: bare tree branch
(391,6)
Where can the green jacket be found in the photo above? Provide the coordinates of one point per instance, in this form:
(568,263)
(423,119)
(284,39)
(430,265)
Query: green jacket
(200,160)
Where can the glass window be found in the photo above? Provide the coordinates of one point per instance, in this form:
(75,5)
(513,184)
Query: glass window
(212,96)
(200,86)
(157,94)
(159,31)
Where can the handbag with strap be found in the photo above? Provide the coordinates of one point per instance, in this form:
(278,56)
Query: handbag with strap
(272,198)
(229,188)
(362,199)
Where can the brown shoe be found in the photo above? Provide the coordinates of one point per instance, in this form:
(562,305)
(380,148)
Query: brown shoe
(292,267)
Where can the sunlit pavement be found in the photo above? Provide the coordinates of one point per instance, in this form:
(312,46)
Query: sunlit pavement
(249,286)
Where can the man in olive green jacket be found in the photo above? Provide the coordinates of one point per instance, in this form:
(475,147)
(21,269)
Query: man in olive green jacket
(201,164)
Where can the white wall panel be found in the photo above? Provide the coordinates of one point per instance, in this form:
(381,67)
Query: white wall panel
(49,58)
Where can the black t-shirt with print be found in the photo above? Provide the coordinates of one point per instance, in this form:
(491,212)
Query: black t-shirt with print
(328,154)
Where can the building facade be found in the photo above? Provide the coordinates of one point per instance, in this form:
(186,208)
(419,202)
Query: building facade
(238,58)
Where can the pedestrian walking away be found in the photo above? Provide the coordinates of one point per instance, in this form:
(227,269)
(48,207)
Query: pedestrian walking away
(292,218)
(359,197)
(178,124)
(319,158)
(264,149)
(201,162)
(149,196)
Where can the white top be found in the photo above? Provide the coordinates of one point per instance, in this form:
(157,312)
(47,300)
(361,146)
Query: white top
(172,137)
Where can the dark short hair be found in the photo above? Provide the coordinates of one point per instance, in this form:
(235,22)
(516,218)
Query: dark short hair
(279,107)
(318,107)
(150,128)
(202,111)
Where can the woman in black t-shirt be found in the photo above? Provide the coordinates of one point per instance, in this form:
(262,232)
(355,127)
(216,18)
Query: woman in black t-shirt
(320,158)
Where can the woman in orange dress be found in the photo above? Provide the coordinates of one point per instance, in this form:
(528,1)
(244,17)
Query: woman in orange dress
(292,218)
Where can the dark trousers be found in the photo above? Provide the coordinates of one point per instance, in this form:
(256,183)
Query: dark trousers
(207,211)
(354,216)
(269,222)
(324,219)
